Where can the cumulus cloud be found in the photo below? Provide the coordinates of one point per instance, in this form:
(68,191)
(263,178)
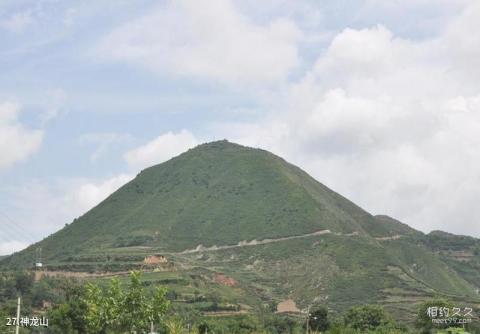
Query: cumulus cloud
(160,149)
(387,120)
(207,40)
(16,141)
(460,47)
(392,123)
(43,208)
(89,194)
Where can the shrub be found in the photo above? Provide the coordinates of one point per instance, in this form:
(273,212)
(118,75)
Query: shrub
(368,317)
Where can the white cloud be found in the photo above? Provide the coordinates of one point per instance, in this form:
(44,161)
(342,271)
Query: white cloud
(461,45)
(393,6)
(89,194)
(160,149)
(41,208)
(10,247)
(389,122)
(207,40)
(17,22)
(16,141)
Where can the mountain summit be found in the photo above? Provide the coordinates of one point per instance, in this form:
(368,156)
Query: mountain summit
(252,214)
(215,194)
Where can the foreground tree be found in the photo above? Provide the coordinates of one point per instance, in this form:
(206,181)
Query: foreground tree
(132,310)
(138,310)
(69,316)
(103,307)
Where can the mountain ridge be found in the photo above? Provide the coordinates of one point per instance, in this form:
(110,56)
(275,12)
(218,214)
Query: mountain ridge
(347,216)
(217,208)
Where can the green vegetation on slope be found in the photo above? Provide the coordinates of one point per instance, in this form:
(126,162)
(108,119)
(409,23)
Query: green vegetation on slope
(136,302)
(461,253)
(221,194)
(217,193)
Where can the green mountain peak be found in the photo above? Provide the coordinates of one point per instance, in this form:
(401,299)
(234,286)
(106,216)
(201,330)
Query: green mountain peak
(249,213)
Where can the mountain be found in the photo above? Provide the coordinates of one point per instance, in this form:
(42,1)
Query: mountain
(222,208)
(462,253)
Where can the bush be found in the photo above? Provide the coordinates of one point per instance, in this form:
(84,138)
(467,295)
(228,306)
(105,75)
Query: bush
(368,317)
(318,319)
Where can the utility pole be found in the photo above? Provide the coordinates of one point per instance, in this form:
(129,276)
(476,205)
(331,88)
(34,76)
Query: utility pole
(38,259)
(308,318)
(17,327)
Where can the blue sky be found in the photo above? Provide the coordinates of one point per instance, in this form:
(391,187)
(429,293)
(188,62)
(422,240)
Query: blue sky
(377,99)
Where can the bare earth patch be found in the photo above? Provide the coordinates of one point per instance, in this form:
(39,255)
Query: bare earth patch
(225,280)
(287,306)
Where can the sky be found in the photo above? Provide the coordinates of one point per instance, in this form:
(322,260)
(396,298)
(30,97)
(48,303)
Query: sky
(377,99)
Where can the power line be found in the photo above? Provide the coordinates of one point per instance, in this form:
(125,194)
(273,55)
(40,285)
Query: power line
(19,233)
(16,235)
(17,228)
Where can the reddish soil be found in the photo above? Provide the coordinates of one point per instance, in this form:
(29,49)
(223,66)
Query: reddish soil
(225,280)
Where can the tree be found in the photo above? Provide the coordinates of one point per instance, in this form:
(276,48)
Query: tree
(41,292)
(318,319)
(23,282)
(367,317)
(3,316)
(61,320)
(69,317)
(8,289)
(280,324)
(133,310)
(103,307)
(138,311)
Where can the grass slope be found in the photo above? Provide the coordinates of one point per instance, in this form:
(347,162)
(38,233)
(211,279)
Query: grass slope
(222,193)
(217,193)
